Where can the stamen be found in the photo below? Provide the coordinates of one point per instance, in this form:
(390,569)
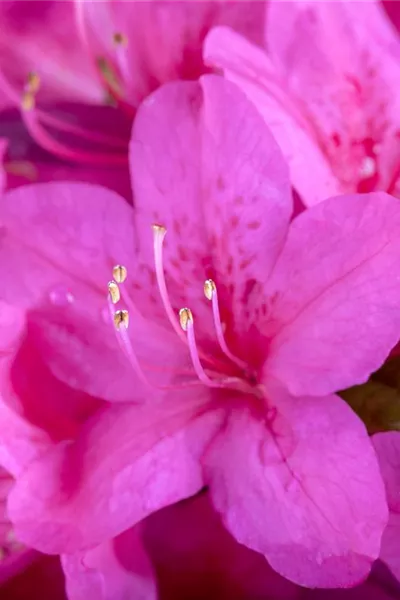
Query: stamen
(110,78)
(33,83)
(186,322)
(120,39)
(210,292)
(120,44)
(27,101)
(185,315)
(121,322)
(159,235)
(120,273)
(21,168)
(121,319)
(80,132)
(31,117)
(114,292)
(49,143)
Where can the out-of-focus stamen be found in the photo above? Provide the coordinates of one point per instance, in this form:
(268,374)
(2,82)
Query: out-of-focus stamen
(210,292)
(121,319)
(120,273)
(120,45)
(32,83)
(27,101)
(186,322)
(21,168)
(114,292)
(159,234)
(44,139)
(110,78)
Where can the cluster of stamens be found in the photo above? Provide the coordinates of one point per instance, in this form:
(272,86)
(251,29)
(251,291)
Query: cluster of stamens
(183,325)
(41,124)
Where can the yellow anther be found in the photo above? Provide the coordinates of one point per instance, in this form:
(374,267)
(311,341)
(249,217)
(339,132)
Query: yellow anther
(120,39)
(114,292)
(109,76)
(185,317)
(159,229)
(13,543)
(121,317)
(209,289)
(33,83)
(120,273)
(28,101)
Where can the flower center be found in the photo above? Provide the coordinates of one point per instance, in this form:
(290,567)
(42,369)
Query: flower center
(209,370)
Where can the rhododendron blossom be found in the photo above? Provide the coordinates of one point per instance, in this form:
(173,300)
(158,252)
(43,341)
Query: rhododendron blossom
(216,358)
(78,70)
(327,87)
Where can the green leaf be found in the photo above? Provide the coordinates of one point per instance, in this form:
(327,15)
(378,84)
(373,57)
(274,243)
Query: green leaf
(377,402)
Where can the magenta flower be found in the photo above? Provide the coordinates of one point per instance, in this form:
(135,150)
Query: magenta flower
(242,398)
(89,67)
(327,88)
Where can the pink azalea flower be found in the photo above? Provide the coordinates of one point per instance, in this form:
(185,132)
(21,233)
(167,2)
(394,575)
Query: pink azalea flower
(85,56)
(387,446)
(327,88)
(242,399)
(44,36)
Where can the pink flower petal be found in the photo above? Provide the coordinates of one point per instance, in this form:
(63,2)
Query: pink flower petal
(43,37)
(20,442)
(250,68)
(116,570)
(127,462)
(67,261)
(293,487)
(164,39)
(335,313)
(342,60)
(46,229)
(387,446)
(204,166)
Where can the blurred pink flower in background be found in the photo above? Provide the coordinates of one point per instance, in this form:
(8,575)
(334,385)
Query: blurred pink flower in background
(246,405)
(76,72)
(327,87)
